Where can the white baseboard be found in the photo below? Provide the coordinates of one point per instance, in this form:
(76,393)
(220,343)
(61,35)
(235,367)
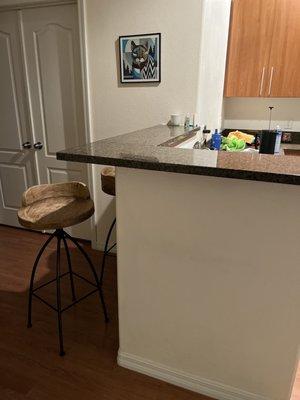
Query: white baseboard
(203,386)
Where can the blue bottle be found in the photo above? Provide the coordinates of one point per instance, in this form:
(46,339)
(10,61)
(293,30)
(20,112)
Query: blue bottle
(216,140)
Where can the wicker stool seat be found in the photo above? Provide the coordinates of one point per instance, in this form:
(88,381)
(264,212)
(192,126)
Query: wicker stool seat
(108,178)
(56,206)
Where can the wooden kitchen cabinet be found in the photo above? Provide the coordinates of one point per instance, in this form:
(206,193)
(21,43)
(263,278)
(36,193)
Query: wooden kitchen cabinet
(284,64)
(250,36)
(263,55)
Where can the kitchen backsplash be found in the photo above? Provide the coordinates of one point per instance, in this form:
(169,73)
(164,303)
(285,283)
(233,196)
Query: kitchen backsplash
(253,113)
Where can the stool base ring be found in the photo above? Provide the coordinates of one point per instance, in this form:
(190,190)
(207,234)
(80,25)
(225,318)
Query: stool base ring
(62,236)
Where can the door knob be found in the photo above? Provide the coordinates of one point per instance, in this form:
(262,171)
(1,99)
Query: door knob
(26,145)
(38,145)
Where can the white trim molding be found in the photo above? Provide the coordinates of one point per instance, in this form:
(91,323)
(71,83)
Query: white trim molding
(81,7)
(20,5)
(197,384)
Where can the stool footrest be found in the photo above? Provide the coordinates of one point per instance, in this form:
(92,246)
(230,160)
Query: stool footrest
(75,301)
(62,237)
(44,301)
(48,283)
(67,307)
(78,300)
(84,279)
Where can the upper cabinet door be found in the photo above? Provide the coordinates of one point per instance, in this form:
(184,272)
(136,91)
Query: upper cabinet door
(249,47)
(284,80)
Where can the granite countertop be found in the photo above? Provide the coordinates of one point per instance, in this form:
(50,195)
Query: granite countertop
(153,149)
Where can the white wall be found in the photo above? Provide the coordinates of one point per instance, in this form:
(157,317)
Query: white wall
(247,113)
(209,289)
(116,108)
(212,62)
(120,108)
(253,113)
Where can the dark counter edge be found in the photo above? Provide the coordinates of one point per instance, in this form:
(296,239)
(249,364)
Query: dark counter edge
(183,169)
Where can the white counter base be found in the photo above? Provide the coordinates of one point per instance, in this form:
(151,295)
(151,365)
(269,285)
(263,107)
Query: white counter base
(209,282)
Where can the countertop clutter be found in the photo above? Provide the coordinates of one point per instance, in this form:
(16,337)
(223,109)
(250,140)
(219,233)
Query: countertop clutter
(153,149)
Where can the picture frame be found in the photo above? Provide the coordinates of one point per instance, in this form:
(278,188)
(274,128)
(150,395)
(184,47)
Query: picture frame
(140,58)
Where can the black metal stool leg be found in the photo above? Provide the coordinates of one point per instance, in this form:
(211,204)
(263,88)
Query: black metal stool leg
(106,250)
(58,297)
(70,267)
(94,273)
(29,324)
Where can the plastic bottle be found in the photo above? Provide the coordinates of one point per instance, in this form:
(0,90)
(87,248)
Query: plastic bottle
(187,121)
(278,140)
(216,140)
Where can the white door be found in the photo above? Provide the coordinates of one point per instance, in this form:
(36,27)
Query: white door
(17,164)
(52,73)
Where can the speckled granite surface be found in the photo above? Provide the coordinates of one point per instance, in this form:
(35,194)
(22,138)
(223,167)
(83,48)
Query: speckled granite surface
(142,150)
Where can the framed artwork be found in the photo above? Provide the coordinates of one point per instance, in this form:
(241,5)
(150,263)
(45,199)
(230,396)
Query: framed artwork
(140,58)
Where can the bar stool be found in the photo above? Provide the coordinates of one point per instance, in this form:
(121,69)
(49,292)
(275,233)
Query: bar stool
(108,179)
(57,206)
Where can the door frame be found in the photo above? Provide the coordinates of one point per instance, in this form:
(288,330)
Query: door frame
(81,8)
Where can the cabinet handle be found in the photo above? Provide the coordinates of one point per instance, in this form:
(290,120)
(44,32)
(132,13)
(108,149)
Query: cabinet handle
(271,80)
(262,81)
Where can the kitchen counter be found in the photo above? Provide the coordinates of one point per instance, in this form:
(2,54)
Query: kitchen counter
(207,297)
(154,149)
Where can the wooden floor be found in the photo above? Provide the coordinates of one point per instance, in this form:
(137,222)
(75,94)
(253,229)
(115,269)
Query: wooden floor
(30,367)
